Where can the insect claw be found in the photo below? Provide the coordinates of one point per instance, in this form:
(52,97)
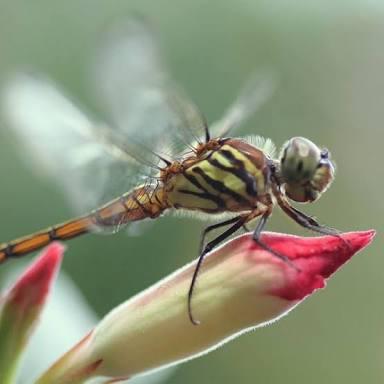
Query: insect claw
(193,321)
(191,318)
(345,242)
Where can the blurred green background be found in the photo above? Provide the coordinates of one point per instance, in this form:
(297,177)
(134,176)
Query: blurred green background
(330,59)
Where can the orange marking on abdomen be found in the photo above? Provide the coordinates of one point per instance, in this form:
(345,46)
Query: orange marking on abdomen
(71,229)
(38,240)
(140,203)
(27,244)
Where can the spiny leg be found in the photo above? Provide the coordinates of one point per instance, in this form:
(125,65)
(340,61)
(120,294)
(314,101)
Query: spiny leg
(256,237)
(309,222)
(238,223)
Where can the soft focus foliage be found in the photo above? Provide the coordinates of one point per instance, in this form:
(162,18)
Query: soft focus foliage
(329,56)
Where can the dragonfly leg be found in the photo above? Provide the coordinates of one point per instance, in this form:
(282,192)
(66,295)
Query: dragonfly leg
(246,228)
(304,220)
(215,226)
(301,218)
(238,222)
(256,237)
(309,222)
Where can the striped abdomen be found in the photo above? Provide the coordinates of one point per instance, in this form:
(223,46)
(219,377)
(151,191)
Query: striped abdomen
(232,178)
(142,202)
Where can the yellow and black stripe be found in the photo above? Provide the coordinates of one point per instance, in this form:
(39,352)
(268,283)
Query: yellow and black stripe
(227,179)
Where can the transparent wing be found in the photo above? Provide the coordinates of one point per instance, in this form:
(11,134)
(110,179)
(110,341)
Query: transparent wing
(138,94)
(258,89)
(87,159)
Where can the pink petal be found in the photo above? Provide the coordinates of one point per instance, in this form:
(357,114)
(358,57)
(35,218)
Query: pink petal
(316,257)
(33,286)
(21,306)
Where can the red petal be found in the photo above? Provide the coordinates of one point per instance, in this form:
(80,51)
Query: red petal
(316,258)
(32,287)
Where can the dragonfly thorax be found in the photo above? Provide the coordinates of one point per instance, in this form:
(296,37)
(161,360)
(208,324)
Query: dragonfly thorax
(233,177)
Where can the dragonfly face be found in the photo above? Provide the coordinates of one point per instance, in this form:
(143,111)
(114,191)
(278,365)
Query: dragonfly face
(306,170)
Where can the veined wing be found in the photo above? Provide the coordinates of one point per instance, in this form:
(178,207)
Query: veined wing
(95,163)
(257,90)
(139,94)
(89,160)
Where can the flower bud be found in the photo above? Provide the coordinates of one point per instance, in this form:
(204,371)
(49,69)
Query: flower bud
(239,288)
(21,306)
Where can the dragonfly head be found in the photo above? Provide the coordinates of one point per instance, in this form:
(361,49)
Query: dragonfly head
(306,170)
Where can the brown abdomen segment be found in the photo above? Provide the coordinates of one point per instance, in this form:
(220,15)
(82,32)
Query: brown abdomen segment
(140,203)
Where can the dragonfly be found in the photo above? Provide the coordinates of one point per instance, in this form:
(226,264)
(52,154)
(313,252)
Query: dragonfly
(157,153)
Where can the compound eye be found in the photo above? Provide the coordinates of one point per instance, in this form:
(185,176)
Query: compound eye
(301,193)
(299,160)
